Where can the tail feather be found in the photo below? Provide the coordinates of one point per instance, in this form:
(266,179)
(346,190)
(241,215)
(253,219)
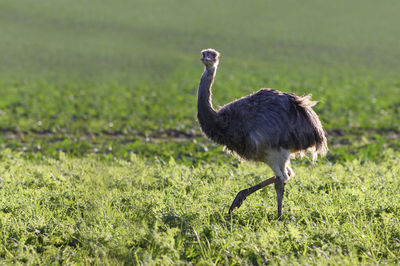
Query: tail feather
(310,120)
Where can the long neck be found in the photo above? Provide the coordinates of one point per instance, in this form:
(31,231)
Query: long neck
(205,112)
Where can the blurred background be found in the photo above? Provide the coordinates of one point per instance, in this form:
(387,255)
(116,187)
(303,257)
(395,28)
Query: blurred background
(99,39)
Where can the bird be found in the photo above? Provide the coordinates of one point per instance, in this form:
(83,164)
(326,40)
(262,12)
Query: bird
(266,126)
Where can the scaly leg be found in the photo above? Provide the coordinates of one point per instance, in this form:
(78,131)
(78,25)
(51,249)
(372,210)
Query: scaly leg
(280,190)
(241,196)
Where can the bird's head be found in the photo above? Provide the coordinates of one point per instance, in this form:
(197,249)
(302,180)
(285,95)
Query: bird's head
(210,57)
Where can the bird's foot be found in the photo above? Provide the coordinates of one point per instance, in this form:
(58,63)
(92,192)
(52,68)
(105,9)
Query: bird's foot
(240,197)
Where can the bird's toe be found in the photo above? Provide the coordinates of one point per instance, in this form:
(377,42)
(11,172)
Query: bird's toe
(237,202)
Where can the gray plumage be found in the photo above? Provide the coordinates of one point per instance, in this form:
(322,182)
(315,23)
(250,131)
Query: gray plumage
(266,126)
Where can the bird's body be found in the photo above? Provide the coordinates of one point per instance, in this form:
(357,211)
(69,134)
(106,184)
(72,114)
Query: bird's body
(265,126)
(268,120)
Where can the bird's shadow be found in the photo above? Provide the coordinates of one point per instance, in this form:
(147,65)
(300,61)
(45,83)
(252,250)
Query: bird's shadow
(190,224)
(242,217)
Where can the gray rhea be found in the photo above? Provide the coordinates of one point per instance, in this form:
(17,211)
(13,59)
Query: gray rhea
(266,126)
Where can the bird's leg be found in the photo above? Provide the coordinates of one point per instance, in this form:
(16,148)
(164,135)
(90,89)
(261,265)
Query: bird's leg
(241,196)
(280,189)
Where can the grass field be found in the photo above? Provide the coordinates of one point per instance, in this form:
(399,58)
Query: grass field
(102,159)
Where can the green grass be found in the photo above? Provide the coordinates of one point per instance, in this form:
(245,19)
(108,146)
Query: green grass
(134,211)
(102,159)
